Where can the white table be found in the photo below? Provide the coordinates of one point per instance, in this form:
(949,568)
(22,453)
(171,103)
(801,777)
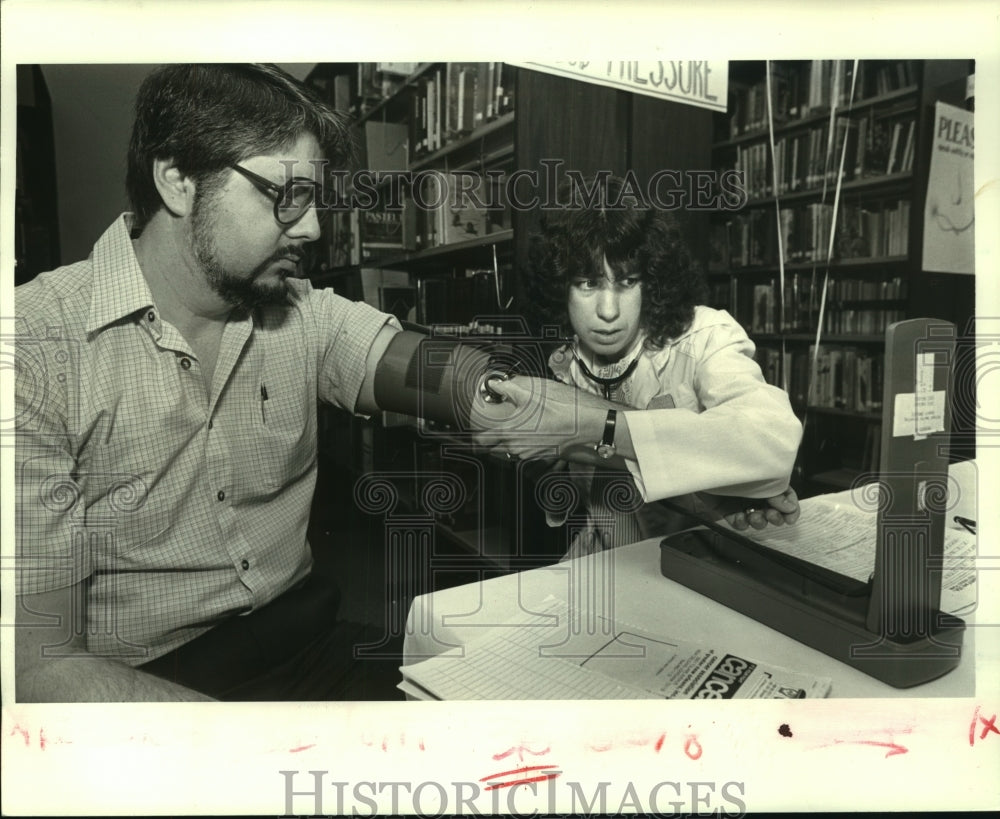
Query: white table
(626,585)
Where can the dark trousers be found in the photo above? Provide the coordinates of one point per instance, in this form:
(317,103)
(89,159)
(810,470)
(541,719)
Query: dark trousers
(293,649)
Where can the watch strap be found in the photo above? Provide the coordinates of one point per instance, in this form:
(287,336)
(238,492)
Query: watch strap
(606,447)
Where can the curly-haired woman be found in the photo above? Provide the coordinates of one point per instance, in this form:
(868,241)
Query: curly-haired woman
(654,382)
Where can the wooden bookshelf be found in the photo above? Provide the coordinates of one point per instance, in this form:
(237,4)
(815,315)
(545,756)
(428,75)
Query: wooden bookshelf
(896,102)
(883,183)
(884,132)
(428,258)
(586,127)
(474,139)
(386,107)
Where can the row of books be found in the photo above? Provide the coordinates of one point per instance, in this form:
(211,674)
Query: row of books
(881,77)
(804,88)
(752,237)
(866,322)
(358,88)
(799,89)
(873,232)
(769,315)
(379,81)
(749,239)
(804,235)
(454,100)
(847,378)
(861,148)
(799,311)
(766,316)
(447,102)
(844,378)
(846,290)
(459,217)
(367,236)
(433,218)
(444,215)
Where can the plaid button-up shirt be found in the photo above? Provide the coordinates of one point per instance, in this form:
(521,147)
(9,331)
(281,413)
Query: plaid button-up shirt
(182,505)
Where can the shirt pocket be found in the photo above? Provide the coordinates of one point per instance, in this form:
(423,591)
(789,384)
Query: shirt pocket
(285,439)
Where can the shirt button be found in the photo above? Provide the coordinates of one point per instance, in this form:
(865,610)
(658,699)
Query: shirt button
(186,363)
(245,564)
(151,316)
(221,495)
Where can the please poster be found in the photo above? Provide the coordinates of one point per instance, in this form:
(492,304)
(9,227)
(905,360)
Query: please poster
(949,213)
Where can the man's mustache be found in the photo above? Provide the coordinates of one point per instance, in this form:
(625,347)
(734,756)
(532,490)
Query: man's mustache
(293,254)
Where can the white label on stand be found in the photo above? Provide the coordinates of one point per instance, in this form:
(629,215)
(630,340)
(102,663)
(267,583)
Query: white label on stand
(904,418)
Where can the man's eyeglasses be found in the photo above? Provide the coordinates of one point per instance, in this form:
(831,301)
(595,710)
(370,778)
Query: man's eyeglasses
(292,199)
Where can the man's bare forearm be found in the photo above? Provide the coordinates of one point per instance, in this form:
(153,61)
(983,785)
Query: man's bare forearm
(82,677)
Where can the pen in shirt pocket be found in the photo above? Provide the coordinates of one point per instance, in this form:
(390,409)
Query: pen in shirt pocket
(263,400)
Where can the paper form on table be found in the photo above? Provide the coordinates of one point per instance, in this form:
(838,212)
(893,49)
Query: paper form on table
(533,659)
(841,537)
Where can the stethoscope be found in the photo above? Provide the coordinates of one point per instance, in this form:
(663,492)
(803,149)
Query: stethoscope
(607,385)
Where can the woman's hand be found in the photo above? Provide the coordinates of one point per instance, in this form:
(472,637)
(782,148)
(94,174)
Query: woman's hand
(538,418)
(780,509)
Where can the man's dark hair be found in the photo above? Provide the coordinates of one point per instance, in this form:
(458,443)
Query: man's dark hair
(638,241)
(208,116)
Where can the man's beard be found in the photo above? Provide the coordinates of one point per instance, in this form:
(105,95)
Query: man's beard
(243,292)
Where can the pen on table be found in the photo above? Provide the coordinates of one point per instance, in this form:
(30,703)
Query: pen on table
(263,398)
(966,522)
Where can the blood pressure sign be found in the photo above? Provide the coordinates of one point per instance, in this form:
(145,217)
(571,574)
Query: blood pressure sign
(703,83)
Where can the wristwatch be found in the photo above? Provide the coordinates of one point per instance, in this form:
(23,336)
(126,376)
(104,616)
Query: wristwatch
(605,448)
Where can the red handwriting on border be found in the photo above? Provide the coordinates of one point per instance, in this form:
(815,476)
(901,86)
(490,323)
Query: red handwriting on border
(391,743)
(521,774)
(520,778)
(521,750)
(989,726)
(692,745)
(42,739)
(894,748)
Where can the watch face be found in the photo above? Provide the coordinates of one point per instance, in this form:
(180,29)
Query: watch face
(605,450)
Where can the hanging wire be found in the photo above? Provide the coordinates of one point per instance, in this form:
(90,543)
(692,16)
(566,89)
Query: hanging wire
(777,222)
(821,317)
(496,282)
(835,93)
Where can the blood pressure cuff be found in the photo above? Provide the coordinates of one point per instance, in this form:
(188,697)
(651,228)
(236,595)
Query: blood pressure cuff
(433,377)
